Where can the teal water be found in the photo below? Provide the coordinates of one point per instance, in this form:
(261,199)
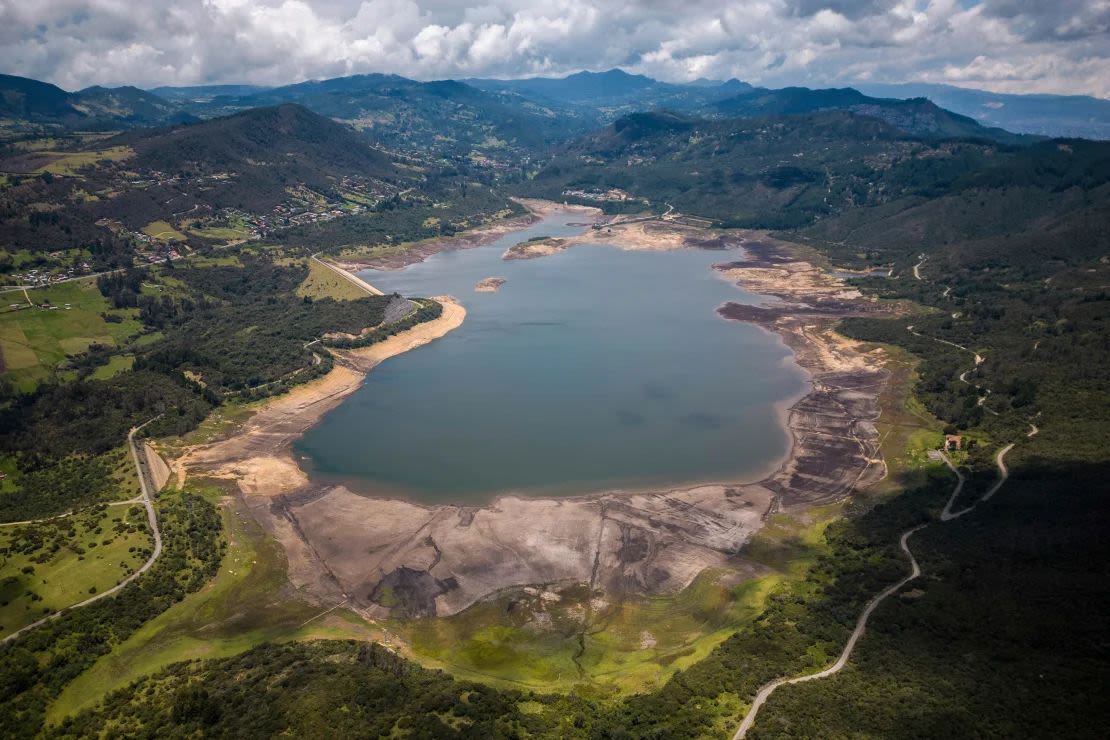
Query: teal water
(589,370)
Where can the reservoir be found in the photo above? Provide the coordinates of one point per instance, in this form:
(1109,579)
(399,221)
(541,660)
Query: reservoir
(589,370)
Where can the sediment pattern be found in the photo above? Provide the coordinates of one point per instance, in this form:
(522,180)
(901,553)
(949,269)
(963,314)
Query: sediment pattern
(390,557)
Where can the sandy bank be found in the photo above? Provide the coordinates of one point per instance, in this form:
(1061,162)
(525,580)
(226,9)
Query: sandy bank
(259,456)
(542,208)
(396,259)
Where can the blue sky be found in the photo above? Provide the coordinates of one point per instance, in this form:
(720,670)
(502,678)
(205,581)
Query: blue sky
(1061,46)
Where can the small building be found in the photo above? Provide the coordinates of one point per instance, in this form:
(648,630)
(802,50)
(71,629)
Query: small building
(953,442)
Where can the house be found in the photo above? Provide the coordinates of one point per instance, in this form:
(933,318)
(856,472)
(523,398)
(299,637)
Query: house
(953,442)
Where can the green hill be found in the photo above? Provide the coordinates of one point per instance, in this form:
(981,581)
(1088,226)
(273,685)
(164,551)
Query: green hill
(914,116)
(94,108)
(794,171)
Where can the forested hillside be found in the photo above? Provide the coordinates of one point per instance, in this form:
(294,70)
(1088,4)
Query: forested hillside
(799,170)
(94,108)
(916,116)
(991,252)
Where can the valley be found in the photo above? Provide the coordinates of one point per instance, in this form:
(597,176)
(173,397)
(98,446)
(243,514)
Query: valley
(585,407)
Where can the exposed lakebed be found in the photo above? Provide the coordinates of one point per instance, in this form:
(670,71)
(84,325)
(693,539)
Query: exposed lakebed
(588,370)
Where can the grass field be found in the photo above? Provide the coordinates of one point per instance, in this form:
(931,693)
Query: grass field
(163,231)
(70,559)
(116,365)
(564,639)
(247,603)
(35,340)
(69,163)
(324,283)
(906,429)
(226,233)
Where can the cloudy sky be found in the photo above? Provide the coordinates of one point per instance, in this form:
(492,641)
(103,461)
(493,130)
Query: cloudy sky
(1060,46)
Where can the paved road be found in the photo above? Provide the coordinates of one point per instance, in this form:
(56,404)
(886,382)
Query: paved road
(861,623)
(147,500)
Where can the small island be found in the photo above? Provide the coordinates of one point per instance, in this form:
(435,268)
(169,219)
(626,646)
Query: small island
(489,285)
(540,246)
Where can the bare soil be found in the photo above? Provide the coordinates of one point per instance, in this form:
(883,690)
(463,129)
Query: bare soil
(390,557)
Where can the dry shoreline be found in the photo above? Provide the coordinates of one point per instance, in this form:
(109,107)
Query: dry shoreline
(390,556)
(479,237)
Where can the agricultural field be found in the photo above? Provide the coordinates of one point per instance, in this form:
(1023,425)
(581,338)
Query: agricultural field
(234,230)
(50,565)
(163,231)
(71,163)
(116,365)
(34,341)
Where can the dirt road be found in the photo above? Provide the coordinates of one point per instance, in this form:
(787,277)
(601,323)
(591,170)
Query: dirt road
(861,623)
(147,500)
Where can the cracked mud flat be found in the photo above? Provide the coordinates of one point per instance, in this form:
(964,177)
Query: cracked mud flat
(392,557)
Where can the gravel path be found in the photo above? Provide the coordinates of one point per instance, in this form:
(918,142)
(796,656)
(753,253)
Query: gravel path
(146,499)
(861,623)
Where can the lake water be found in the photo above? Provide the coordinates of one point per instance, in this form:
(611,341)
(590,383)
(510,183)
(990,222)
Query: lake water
(589,370)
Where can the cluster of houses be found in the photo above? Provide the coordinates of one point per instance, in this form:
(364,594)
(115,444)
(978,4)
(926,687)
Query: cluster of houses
(303,208)
(38,278)
(156,177)
(612,194)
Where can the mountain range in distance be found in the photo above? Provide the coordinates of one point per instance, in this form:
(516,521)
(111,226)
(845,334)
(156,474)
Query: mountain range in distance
(494,118)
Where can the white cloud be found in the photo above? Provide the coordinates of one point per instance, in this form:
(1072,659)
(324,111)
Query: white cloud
(1010,45)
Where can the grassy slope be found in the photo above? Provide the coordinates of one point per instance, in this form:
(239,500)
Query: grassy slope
(246,604)
(163,231)
(66,577)
(324,283)
(70,163)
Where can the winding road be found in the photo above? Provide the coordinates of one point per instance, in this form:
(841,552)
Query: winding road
(146,499)
(861,623)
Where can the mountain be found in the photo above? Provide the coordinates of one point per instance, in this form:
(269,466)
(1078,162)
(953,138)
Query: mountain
(445,117)
(793,171)
(129,105)
(916,116)
(203,93)
(1049,115)
(254,173)
(21,97)
(581,88)
(615,92)
(276,136)
(25,99)
(250,160)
